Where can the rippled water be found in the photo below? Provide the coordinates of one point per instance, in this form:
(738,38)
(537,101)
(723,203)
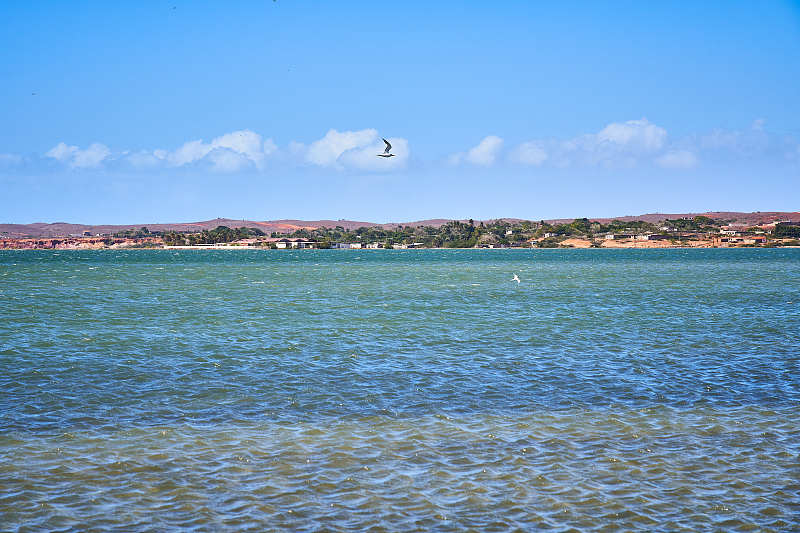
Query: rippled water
(419,390)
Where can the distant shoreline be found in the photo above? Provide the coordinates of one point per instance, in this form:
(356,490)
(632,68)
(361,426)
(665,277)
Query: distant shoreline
(67,229)
(769,230)
(265,249)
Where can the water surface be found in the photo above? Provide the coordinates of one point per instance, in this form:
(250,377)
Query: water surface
(400,390)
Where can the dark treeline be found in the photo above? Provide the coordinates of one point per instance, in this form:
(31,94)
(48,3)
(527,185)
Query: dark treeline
(458,234)
(465,234)
(217,235)
(786,230)
(137,233)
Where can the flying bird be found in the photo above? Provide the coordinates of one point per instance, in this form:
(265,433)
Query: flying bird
(387,150)
(515,278)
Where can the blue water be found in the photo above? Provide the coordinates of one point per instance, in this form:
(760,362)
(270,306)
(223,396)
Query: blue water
(418,390)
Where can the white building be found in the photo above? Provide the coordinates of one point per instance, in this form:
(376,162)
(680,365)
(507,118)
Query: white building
(295,243)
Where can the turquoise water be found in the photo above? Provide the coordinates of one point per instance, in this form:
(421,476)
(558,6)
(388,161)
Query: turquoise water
(610,390)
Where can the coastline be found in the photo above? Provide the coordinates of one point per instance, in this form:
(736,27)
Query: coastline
(765,230)
(633,246)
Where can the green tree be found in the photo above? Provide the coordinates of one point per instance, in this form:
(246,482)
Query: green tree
(786,230)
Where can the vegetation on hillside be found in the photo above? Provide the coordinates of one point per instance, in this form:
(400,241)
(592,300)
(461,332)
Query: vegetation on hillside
(786,230)
(458,234)
(468,234)
(220,234)
(137,233)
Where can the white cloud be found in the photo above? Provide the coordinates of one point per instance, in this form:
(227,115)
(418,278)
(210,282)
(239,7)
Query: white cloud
(91,157)
(244,142)
(270,147)
(486,151)
(746,142)
(189,152)
(455,159)
(483,154)
(226,153)
(61,152)
(353,149)
(228,160)
(326,151)
(239,150)
(297,148)
(366,157)
(530,153)
(633,134)
(145,159)
(618,144)
(677,159)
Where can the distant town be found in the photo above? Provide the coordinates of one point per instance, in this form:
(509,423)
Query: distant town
(697,231)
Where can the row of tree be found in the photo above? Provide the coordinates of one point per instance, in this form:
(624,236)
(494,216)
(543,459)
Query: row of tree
(137,233)
(458,234)
(786,231)
(220,234)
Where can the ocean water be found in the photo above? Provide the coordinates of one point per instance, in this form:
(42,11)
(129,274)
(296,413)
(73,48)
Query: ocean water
(419,390)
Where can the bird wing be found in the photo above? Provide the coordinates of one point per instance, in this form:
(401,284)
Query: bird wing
(388,146)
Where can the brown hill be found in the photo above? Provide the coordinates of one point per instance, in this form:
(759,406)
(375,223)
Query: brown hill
(62,229)
(754,218)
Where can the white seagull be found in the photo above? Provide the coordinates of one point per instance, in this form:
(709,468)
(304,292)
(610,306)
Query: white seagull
(515,278)
(387,150)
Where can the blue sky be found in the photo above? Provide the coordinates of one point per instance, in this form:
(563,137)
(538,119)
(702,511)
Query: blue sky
(174,111)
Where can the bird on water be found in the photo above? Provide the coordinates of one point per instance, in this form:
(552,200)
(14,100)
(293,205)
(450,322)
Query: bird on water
(387,150)
(515,278)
